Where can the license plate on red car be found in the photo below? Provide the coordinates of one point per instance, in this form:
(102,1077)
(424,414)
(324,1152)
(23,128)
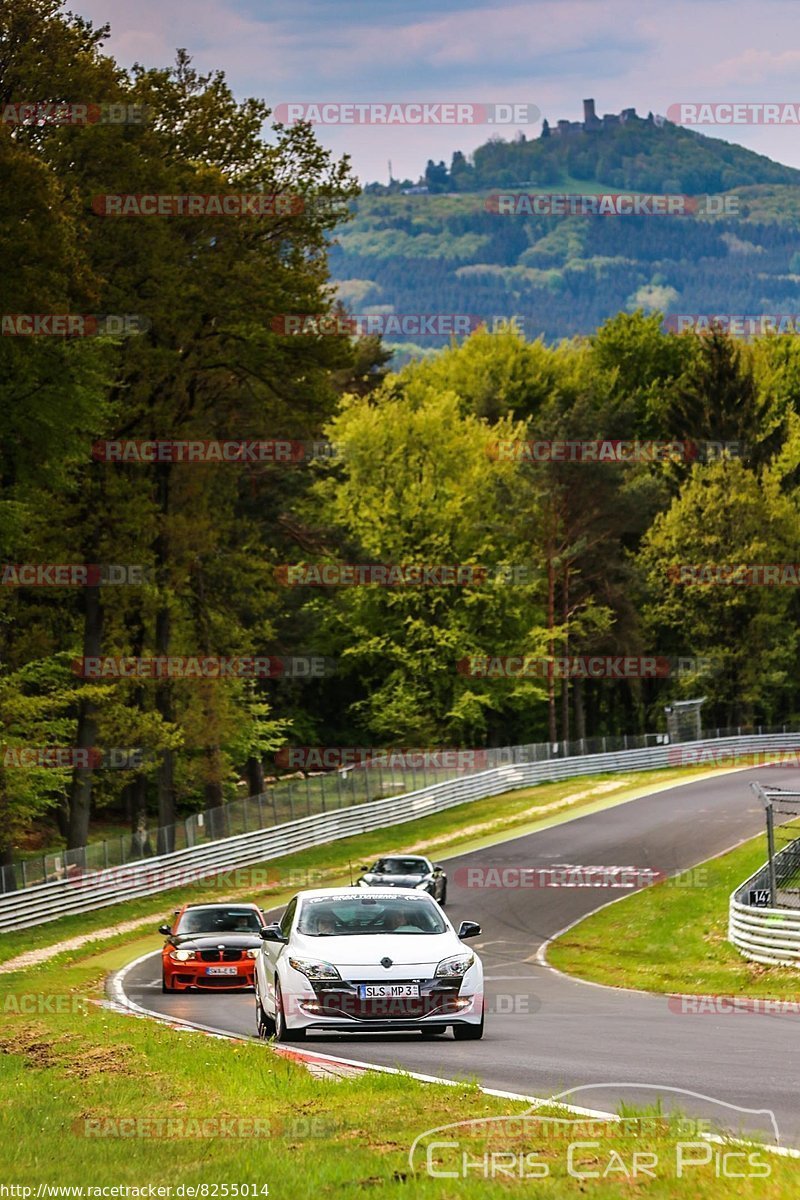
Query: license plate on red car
(382,991)
(221,971)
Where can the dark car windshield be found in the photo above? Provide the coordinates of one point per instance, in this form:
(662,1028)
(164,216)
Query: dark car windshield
(219,920)
(400,866)
(329,916)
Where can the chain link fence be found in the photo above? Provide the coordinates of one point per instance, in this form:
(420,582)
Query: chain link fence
(779,880)
(293,798)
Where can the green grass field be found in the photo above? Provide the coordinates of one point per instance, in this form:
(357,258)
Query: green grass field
(93,1098)
(675,938)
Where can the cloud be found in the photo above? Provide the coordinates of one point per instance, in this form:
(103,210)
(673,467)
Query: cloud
(758,66)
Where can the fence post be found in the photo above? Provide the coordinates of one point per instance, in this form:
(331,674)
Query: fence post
(773,891)
(244,815)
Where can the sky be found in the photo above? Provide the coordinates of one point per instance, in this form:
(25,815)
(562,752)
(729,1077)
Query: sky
(551,54)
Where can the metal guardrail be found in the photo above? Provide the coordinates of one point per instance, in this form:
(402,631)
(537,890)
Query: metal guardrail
(393,773)
(763,934)
(390,774)
(99,889)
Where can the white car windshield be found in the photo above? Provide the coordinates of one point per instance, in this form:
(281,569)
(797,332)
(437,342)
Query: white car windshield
(329,916)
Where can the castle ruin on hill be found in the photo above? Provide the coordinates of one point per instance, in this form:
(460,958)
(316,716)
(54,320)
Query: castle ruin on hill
(591,123)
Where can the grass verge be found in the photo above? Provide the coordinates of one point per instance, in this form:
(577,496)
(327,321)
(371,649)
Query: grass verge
(675,938)
(91,1098)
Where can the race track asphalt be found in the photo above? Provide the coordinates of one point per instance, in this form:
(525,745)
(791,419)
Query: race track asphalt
(547,1033)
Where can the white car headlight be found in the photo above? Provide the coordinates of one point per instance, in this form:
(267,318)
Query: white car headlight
(314,968)
(422,886)
(183,955)
(459,964)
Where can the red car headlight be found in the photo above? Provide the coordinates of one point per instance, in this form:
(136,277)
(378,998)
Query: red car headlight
(183,955)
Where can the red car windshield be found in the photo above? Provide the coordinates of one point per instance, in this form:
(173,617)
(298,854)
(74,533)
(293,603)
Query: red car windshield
(219,920)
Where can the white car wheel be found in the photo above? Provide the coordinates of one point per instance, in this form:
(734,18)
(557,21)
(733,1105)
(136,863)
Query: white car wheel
(264,1024)
(282,1031)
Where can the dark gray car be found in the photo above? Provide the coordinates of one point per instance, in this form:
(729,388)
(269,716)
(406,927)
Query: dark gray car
(407,871)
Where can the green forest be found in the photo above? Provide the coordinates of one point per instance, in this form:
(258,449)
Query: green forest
(581,558)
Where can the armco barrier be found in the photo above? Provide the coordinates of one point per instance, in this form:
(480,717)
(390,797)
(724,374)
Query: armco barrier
(764,935)
(92,890)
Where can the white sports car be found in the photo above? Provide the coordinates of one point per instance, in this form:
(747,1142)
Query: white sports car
(353,958)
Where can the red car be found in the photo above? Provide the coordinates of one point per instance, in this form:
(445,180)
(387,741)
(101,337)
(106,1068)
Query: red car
(211,946)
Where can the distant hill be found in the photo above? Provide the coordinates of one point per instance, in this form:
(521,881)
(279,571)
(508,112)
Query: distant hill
(564,275)
(636,154)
